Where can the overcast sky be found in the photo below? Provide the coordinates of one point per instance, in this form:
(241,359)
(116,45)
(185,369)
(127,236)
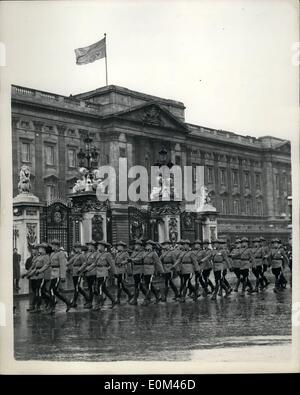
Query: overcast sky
(228,61)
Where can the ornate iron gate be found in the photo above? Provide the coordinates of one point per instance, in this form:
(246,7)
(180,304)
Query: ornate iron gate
(138,224)
(56,223)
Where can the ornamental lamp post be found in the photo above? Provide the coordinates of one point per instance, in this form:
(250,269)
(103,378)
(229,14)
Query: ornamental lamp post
(88,159)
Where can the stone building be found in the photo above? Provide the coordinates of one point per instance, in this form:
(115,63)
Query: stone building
(248,178)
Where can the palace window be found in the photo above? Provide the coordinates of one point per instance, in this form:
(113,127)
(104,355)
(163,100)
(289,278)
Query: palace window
(50,155)
(259,207)
(235,177)
(209,174)
(122,152)
(236,207)
(25,152)
(177,160)
(223,176)
(284,183)
(248,207)
(289,184)
(50,192)
(247,179)
(72,157)
(277,181)
(223,206)
(258,181)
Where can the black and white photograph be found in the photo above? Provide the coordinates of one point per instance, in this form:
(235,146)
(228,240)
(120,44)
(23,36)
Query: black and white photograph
(150,169)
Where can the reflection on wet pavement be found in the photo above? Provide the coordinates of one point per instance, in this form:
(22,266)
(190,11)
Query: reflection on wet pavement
(168,331)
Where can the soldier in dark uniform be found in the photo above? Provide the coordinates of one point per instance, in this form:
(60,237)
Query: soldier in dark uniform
(152,265)
(121,261)
(58,263)
(37,278)
(102,264)
(168,259)
(199,253)
(187,262)
(257,268)
(226,266)
(91,274)
(266,251)
(137,262)
(289,254)
(247,261)
(207,267)
(74,264)
(277,258)
(28,265)
(218,257)
(236,263)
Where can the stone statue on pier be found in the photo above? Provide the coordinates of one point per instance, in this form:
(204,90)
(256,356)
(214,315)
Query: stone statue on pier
(24,184)
(203,201)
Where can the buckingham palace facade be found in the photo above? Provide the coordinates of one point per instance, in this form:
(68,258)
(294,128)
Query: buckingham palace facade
(248,178)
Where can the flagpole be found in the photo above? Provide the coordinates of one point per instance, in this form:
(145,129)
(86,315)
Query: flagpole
(106,60)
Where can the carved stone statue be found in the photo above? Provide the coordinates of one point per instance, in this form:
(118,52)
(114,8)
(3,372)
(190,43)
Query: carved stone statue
(24,183)
(173,229)
(203,201)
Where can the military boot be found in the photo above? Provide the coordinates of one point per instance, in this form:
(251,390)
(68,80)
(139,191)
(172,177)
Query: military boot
(118,301)
(236,288)
(135,299)
(97,305)
(256,285)
(165,297)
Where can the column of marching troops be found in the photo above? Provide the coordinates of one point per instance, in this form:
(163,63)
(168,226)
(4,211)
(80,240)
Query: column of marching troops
(96,262)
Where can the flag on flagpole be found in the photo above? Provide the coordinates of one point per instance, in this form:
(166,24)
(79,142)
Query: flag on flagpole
(91,53)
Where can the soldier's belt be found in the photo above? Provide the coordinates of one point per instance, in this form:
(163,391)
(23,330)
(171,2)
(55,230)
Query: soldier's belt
(138,263)
(276,260)
(54,266)
(187,263)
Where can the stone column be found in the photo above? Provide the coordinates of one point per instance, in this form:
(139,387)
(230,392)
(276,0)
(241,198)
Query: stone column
(26,223)
(268,183)
(93,216)
(209,227)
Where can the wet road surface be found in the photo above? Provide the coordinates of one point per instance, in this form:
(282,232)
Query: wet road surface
(169,331)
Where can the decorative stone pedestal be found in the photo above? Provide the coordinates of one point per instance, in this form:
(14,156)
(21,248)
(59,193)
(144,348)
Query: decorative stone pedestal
(208,215)
(166,216)
(26,223)
(92,216)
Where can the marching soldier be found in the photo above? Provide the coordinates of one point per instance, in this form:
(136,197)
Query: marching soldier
(152,264)
(91,274)
(137,262)
(226,266)
(102,263)
(121,260)
(266,252)
(187,262)
(218,257)
(74,264)
(207,267)
(236,263)
(247,261)
(37,278)
(57,264)
(257,268)
(278,259)
(168,259)
(289,254)
(199,253)
(29,264)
